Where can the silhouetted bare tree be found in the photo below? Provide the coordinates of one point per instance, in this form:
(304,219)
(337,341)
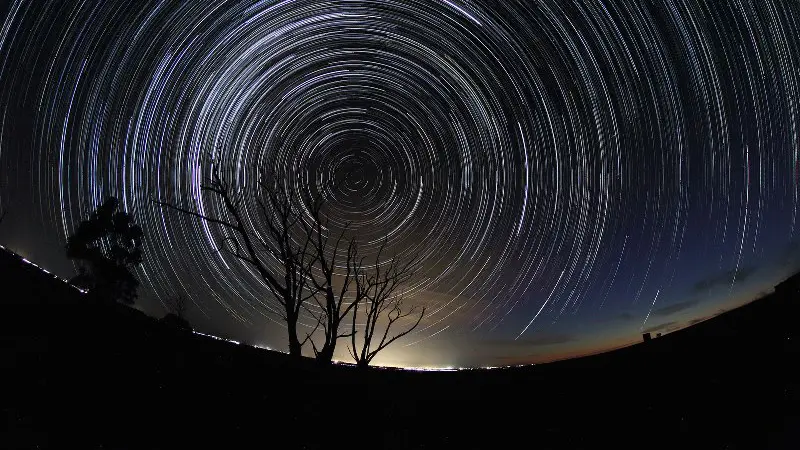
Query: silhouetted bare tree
(317,268)
(381,305)
(107,246)
(333,299)
(281,224)
(176,306)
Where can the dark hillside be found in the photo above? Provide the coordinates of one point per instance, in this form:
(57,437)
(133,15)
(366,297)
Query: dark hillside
(108,376)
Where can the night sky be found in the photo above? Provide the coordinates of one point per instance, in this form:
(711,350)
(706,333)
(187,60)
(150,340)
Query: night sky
(571,173)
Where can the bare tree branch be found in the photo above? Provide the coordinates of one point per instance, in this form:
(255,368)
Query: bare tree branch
(287,283)
(333,299)
(198,215)
(377,287)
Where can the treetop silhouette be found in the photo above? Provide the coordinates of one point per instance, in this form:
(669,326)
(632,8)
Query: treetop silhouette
(107,247)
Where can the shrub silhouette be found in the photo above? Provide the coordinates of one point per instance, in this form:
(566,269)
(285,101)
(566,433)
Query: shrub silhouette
(176,306)
(174,321)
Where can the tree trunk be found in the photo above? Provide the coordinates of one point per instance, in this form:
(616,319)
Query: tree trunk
(325,356)
(295,349)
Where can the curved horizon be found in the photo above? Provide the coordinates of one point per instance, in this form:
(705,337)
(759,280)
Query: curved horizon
(570,174)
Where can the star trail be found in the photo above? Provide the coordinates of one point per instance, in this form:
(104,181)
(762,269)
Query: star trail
(570,173)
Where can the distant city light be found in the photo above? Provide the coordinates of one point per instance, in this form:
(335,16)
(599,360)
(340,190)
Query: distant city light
(338,362)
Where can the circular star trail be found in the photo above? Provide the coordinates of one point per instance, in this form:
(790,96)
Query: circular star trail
(551,163)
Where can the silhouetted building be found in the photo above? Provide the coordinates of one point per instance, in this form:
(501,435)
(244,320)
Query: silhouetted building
(646,337)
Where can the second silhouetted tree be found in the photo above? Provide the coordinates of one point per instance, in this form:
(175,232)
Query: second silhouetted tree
(177,306)
(107,248)
(382,307)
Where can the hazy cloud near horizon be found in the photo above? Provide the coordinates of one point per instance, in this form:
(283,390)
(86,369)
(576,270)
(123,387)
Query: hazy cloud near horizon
(675,307)
(626,316)
(668,326)
(698,320)
(790,256)
(524,350)
(722,279)
(542,339)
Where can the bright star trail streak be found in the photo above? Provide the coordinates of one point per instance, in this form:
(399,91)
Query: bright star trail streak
(551,162)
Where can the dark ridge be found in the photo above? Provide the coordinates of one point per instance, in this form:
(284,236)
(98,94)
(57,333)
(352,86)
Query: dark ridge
(108,376)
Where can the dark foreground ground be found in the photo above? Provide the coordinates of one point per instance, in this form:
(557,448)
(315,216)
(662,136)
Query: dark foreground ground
(79,376)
